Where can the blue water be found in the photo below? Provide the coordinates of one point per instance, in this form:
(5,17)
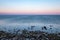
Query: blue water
(9,22)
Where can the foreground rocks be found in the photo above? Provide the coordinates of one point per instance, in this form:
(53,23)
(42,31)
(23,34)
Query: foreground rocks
(29,35)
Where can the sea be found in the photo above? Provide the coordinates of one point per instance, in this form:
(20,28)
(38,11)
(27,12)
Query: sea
(11,22)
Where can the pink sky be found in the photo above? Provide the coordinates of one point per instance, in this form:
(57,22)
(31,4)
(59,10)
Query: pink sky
(29,7)
(30,12)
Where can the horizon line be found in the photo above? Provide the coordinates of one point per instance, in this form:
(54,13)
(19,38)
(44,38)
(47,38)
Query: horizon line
(29,13)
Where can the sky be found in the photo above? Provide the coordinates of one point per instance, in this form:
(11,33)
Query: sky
(29,6)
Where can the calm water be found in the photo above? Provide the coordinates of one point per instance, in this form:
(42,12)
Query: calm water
(9,22)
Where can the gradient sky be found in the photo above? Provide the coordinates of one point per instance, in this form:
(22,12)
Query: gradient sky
(30,6)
